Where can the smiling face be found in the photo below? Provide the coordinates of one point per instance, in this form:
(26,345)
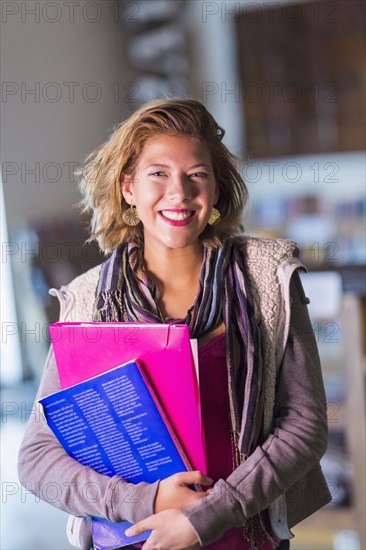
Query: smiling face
(174,190)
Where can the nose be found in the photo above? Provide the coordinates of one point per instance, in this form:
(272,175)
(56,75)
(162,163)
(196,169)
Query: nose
(180,188)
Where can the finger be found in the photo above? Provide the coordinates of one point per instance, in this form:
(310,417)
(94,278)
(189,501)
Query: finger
(139,527)
(195,496)
(198,495)
(193,477)
(147,545)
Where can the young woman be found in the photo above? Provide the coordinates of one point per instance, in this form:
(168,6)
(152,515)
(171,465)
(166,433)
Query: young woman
(167,202)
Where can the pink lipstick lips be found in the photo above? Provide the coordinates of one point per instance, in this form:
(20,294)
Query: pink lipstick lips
(177,217)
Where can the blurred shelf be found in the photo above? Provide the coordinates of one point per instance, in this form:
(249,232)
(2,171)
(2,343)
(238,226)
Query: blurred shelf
(353,275)
(318,531)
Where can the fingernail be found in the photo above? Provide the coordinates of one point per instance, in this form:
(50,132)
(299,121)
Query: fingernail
(129,532)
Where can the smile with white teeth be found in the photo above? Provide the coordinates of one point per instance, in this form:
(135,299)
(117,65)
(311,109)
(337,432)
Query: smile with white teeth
(178,216)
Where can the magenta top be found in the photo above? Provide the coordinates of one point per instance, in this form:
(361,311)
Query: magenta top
(215,408)
(213,381)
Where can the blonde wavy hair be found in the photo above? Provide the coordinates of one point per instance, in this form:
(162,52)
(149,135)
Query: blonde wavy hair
(100,183)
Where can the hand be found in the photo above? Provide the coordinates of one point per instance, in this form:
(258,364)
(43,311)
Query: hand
(171,530)
(174,493)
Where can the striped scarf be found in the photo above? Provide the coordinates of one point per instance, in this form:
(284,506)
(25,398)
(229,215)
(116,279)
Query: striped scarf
(124,293)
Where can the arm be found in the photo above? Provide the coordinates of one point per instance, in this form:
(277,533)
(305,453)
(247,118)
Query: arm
(48,471)
(297,441)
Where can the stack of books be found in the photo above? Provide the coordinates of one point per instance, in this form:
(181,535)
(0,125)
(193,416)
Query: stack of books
(129,405)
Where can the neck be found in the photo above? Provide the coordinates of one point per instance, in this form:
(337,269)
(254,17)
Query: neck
(176,274)
(169,265)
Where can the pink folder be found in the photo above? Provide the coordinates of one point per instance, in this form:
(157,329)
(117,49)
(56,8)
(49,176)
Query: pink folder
(83,350)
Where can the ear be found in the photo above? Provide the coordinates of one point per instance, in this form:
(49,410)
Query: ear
(126,188)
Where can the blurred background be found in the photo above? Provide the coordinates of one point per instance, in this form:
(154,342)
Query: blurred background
(287,82)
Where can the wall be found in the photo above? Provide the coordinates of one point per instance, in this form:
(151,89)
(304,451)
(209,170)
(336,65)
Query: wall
(70,56)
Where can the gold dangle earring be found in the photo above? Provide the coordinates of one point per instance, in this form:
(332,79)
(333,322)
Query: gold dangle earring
(131,216)
(214,216)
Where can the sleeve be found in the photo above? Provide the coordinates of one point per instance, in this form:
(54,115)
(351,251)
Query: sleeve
(45,469)
(296,443)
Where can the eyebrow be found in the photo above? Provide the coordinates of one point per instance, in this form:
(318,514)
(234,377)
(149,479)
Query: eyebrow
(205,164)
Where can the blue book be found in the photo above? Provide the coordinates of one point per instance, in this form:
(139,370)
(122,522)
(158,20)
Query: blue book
(114,424)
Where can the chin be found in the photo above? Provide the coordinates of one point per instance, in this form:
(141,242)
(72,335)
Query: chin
(176,246)
(179,243)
